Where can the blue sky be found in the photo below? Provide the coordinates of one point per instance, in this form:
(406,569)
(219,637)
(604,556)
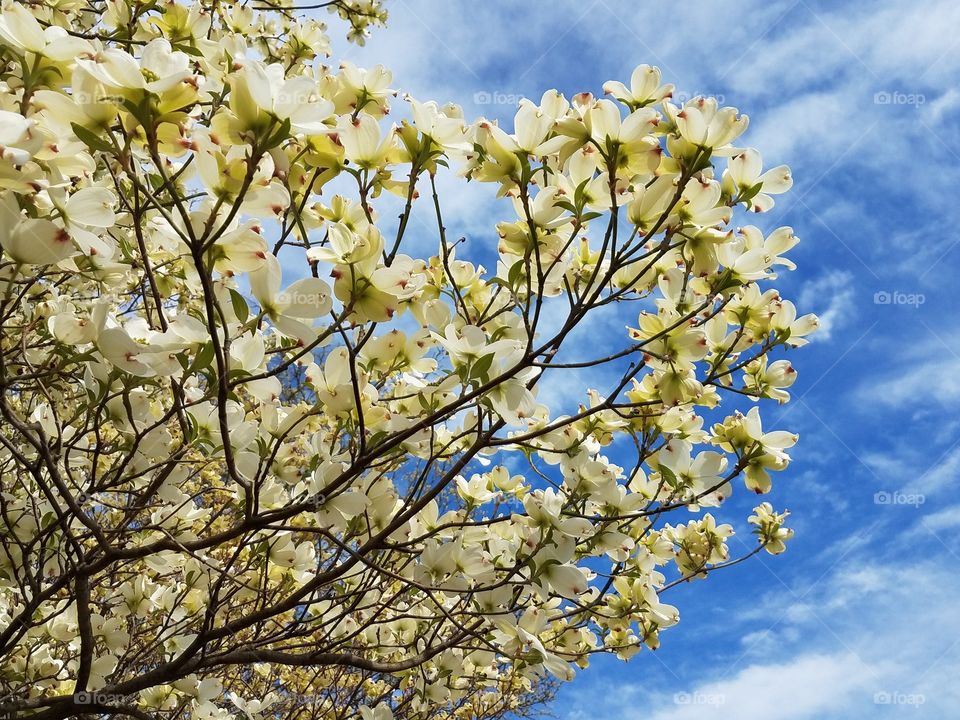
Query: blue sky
(859,618)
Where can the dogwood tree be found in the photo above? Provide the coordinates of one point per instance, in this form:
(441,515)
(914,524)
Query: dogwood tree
(259,458)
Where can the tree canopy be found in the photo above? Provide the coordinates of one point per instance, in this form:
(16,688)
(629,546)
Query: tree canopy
(260,457)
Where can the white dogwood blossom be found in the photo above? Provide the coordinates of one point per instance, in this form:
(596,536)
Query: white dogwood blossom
(275,443)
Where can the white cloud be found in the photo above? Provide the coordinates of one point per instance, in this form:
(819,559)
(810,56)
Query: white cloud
(805,687)
(831,296)
(911,382)
(912,469)
(919,375)
(940,106)
(938,522)
(876,627)
(941,474)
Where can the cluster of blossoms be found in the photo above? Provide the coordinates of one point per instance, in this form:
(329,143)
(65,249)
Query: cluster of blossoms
(252,452)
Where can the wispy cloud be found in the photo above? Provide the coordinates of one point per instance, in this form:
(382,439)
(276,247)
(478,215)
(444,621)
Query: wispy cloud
(832,297)
(852,648)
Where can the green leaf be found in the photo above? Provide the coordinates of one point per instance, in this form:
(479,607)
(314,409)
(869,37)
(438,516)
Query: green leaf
(282,133)
(668,476)
(703,162)
(376,438)
(240,308)
(481,368)
(138,110)
(91,139)
(515,272)
(750,193)
(203,360)
(189,50)
(579,194)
